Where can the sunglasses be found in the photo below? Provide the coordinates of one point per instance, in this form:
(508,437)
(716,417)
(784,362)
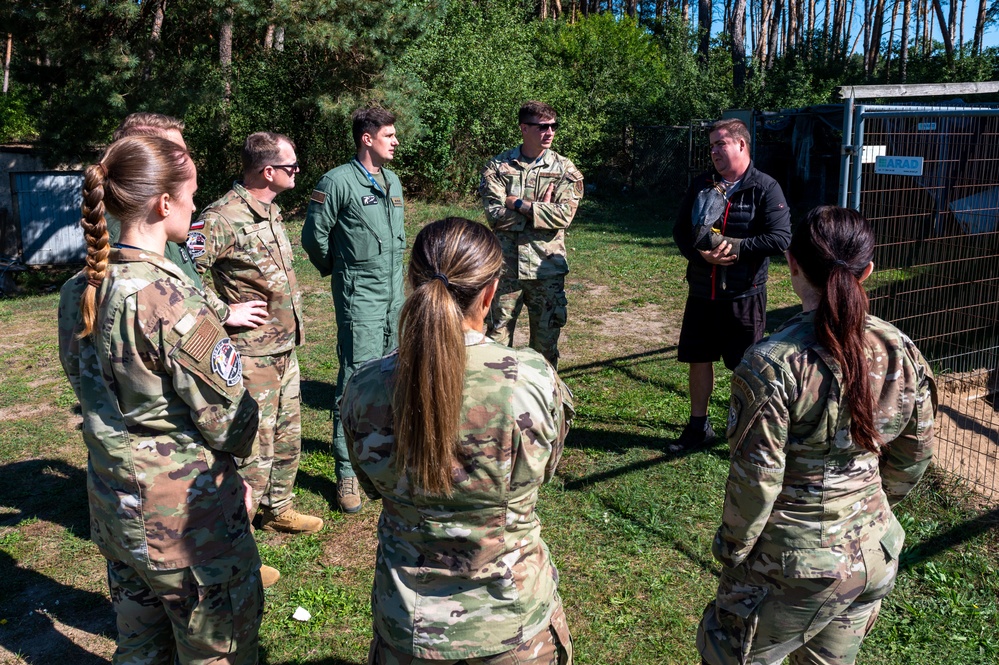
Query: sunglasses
(292,168)
(544,126)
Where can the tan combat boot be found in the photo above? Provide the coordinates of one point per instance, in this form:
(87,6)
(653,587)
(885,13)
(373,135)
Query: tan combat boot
(269,576)
(291,521)
(348,494)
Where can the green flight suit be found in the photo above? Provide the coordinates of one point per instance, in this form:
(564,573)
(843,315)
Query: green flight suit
(354,232)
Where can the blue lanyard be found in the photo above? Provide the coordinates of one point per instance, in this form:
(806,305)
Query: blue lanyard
(371,178)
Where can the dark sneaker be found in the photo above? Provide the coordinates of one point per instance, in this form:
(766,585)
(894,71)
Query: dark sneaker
(693,438)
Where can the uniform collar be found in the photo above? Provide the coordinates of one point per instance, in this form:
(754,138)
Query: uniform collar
(127,255)
(365,178)
(543,158)
(473,337)
(260,209)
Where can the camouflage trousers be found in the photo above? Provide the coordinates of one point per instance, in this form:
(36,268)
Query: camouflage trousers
(552,646)
(358,341)
(760,617)
(546,312)
(208,614)
(273,381)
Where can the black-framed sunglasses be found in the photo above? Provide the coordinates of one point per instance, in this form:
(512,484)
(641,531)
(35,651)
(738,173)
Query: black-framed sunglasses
(292,168)
(544,126)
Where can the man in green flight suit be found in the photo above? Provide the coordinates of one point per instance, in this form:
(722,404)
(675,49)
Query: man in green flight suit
(354,232)
(530,194)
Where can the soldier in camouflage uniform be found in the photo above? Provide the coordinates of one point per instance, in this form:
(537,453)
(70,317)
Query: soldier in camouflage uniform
(243,314)
(242,242)
(164,412)
(462,573)
(808,544)
(530,194)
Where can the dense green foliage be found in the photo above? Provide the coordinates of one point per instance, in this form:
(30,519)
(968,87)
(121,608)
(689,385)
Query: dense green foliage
(455,73)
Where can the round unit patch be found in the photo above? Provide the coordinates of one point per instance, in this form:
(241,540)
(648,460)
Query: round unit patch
(226,362)
(196,243)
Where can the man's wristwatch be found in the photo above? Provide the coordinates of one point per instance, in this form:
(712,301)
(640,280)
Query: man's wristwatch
(517,204)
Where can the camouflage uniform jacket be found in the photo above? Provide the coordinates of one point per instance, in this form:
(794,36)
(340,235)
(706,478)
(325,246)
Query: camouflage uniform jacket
(798,487)
(534,247)
(244,245)
(164,411)
(468,575)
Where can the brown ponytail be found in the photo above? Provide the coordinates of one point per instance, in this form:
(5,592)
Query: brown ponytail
(453,260)
(833,246)
(132,172)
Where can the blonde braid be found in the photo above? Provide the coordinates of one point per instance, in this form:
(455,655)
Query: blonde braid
(95,232)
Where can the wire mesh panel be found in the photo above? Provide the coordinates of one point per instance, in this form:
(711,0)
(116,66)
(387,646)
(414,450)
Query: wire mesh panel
(937,263)
(661,159)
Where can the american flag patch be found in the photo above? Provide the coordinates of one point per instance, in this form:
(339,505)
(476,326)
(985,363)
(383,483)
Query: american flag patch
(202,340)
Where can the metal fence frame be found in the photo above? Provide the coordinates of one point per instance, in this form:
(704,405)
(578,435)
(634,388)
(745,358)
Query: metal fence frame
(937,259)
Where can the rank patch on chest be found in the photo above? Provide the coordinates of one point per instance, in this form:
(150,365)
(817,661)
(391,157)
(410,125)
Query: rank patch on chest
(196,243)
(369,200)
(227,363)
(397,201)
(317,196)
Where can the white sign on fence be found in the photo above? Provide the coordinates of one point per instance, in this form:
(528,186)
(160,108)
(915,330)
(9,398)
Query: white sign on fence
(898,165)
(869,153)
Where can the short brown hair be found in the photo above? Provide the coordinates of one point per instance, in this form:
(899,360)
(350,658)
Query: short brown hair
(144,123)
(534,109)
(261,149)
(369,120)
(735,128)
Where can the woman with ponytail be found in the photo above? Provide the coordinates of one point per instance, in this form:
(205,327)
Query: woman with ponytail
(456,434)
(831,424)
(164,412)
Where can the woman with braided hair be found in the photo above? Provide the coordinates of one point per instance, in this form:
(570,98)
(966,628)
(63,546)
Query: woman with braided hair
(164,412)
(456,433)
(831,424)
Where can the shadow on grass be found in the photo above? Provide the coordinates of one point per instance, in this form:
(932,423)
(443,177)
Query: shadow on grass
(323,485)
(318,394)
(53,491)
(949,539)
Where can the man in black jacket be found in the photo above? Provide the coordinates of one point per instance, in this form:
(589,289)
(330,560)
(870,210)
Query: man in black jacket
(732,220)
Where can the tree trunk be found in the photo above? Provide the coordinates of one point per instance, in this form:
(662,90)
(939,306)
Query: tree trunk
(903,50)
(6,63)
(847,30)
(792,18)
(629,7)
(659,9)
(225,50)
(778,8)
(948,42)
(891,32)
(279,38)
(825,33)
(704,27)
(738,32)
(980,27)
(960,28)
(952,19)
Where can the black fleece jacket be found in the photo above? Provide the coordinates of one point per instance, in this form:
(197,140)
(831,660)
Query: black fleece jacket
(757,213)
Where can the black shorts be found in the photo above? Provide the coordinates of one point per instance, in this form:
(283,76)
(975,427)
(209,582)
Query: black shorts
(714,329)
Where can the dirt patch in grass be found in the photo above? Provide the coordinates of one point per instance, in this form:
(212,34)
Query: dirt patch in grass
(649,324)
(25,411)
(355,543)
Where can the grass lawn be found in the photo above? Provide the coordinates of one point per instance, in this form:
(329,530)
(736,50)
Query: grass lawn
(629,523)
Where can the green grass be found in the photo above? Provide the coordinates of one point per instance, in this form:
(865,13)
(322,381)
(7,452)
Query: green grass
(628,522)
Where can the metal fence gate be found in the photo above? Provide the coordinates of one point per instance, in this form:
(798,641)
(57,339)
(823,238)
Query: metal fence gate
(928,180)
